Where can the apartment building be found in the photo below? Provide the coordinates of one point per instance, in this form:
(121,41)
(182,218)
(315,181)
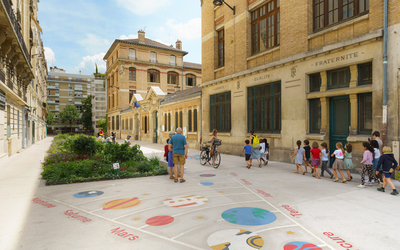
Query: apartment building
(312,70)
(134,66)
(99,101)
(22,76)
(63,89)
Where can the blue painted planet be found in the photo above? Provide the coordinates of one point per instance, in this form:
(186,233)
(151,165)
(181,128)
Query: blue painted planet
(88,194)
(248,216)
(300,245)
(206,183)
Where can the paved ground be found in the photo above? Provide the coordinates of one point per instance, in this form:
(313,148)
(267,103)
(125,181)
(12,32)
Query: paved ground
(235,209)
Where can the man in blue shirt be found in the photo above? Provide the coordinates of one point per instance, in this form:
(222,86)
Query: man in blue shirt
(178,146)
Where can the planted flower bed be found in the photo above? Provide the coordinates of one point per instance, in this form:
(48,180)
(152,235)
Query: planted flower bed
(79,158)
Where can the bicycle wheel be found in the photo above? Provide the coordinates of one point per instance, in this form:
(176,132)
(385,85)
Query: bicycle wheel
(217,158)
(203,157)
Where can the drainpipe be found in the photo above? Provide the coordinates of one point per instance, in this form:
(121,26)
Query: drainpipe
(385,37)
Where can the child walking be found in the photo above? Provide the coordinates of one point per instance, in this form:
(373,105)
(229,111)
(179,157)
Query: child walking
(325,159)
(264,157)
(375,145)
(368,156)
(247,153)
(307,150)
(316,154)
(389,164)
(348,162)
(169,160)
(299,155)
(338,164)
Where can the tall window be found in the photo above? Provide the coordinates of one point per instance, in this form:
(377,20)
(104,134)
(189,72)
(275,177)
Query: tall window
(265,25)
(190,120)
(117,122)
(126,124)
(172,77)
(220,112)
(69,86)
(145,124)
(123,124)
(315,82)
(339,78)
(365,113)
(327,12)
(365,74)
(264,108)
(190,80)
(166,122)
(221,48)
(153,75)
(176,120)
(169,121)
(131,93)
(132,74)
(113,123)
(153,57)
(132,54)
(315,116)
(172,60)
(180,119)
(131,124)
(195,120)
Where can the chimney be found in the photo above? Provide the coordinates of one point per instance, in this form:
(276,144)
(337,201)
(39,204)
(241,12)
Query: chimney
(179,44)
(141,36)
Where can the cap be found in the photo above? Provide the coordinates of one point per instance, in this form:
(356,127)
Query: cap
(129,136)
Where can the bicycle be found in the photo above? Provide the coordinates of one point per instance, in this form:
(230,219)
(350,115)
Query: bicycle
(205,155)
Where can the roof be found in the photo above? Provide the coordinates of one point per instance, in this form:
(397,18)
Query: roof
(181,95)
(191,65)
(157,90)
(148,43)
(138,97)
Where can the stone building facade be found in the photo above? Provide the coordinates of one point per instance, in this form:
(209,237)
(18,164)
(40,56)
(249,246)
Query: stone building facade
(134,67)
(295,71)
(99,103)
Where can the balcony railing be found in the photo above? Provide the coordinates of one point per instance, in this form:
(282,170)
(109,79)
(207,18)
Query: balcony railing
(52,87)
(14,23)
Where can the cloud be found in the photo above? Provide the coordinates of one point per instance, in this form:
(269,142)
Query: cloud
(94,43)
(142,7)
(190,30)
(49,55)
(88,64)
(129,37)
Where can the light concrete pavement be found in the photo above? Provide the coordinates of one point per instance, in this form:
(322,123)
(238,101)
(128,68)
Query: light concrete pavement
(218,211)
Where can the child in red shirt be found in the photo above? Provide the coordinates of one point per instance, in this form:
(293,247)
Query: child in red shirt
(316,154)
(166,150)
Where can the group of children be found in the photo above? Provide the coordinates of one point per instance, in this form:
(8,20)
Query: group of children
(378,167)
(260,154)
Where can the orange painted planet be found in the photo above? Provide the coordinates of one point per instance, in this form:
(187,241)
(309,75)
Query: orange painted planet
(121,203)
(160,220)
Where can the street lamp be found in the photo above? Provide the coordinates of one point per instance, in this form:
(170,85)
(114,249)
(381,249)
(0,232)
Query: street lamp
(220,2)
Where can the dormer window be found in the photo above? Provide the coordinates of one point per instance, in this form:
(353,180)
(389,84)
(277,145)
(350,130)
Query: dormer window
(153,57)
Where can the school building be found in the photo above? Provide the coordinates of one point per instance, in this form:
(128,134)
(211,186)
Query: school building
(294,71)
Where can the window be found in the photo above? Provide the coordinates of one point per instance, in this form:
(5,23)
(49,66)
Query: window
(169,121)
(69,86)
(339,78)
(180,119)
(365,74)
(57,100)
(220,112)
(117,122)
(221,48)
(57,86)
(153,57)
(315,116)
(132,54)
(49,92)
(327,12)
(69,93)
(190,121)
(57,92)
(145,124)
(365,113)
(172,60)
(165,122)
(265,25)
(113,127)
(190,80)
(172,77)
(126,124)
(131,93)
(195,120)
(176,120)
(264,108)
(131,124)
(132,74)
(153,75)
(315,82)
(123,124)
(70,101)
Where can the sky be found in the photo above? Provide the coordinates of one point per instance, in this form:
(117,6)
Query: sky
(78,33)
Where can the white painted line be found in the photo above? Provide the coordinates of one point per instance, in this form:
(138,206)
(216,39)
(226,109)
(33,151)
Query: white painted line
(223,194)
(143,226)
(137,212)
(95,210)
(125,225)
(287,216)
(273,228)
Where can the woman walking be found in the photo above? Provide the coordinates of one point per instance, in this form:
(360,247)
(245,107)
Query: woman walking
(255,149)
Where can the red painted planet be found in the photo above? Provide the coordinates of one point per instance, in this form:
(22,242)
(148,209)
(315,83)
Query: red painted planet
(160,220)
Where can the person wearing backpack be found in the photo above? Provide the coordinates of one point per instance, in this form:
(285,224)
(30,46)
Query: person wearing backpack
(255,148)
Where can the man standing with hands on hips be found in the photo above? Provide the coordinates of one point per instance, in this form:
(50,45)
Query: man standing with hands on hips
(178,146)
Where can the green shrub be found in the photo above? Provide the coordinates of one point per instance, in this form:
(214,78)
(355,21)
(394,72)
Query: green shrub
(114,152)
(144,167)
(82,144)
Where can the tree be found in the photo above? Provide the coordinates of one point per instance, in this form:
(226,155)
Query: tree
(87,113)
(50,118)
(102,123)
(70,113)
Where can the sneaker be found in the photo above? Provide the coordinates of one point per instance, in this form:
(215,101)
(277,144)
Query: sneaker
(380,184)
(394,193)
(381,189)
(361,186)
(368,184)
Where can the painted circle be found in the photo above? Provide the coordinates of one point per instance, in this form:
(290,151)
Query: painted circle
(160,220)
(248,216)
(207,175)
(186,201)
(300,245)
(235,239)
(88,194)
(206,183)
(121,203)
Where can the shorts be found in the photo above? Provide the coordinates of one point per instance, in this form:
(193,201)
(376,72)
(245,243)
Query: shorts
(375,164)
(179,159)
(247,156)
(388,175)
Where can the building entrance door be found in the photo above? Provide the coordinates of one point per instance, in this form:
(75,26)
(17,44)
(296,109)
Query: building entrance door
(339,121)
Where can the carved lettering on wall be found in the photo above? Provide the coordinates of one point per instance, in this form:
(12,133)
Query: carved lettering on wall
(264,77)
(337,59)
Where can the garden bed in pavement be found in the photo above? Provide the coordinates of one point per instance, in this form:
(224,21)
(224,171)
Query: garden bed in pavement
(79,158)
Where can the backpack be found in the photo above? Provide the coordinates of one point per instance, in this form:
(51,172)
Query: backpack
(256,142)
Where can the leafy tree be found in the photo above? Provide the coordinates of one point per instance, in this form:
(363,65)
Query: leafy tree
(102,123)
(70,113)
(50,117)
(87,113)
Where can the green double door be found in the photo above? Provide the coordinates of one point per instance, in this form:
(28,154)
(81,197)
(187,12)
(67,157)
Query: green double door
(339,121)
